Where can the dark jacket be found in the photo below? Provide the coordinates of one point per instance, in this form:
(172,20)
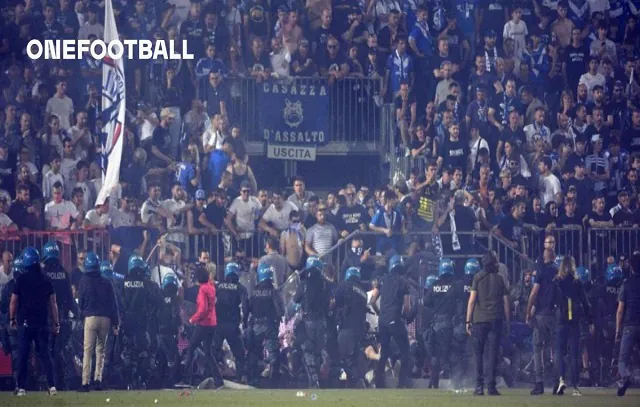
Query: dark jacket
(96,298)
(571,301)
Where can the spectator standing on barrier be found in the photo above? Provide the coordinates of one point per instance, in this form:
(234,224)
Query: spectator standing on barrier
(33,300)
(99,309)
(544,319)
(241,221)
(572,307)
(628,323)
(205,322)
(61,281)
(292,241)
(394,305)
(488,303)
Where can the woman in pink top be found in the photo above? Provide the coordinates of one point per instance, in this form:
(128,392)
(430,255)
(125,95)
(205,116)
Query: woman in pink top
(205,323)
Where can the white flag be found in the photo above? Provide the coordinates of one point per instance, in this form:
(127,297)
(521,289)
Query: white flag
(113,110)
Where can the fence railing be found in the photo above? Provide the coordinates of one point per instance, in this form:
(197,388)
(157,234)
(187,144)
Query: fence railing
(569,241)
(590,248)
(354,114)
(70,243)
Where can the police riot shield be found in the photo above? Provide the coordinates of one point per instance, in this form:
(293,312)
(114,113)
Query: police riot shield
(289,289)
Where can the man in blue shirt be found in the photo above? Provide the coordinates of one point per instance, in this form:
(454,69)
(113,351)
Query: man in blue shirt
(389,223)
(399,69)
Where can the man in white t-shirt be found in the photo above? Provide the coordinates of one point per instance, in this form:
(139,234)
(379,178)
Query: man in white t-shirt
(549,184)
(152,212)
(123,216)
(97,218)
(61,105)
(241,220)
(212,137)
(168,264)
(60,214)
(276,217)
(538,128)
(178,208)
(6,223)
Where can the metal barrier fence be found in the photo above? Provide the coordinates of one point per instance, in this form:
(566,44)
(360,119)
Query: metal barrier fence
(605,242)
(569,241)
(354,114)
(70,242)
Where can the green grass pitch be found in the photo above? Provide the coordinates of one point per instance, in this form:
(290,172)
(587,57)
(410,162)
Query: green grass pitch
(332,398)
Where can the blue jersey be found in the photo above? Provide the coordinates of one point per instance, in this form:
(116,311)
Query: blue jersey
(465,15)
(399,66)
(185,172)
(578,12)
(422,37)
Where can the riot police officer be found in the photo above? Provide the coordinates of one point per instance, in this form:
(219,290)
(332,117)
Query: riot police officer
(9,337)
(588,342)
(351,310)
(394,304)
(139,307)
(460,345)
(313,296)
(614,277)
(169,323)
(97,303)
(33,299)
(232,308)
(64,297)
(441,298)
(266,309)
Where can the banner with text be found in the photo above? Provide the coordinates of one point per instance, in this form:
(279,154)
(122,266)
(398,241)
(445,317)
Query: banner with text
(294,113)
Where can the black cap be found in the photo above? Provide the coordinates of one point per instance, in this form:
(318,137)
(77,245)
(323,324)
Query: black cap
(490,33)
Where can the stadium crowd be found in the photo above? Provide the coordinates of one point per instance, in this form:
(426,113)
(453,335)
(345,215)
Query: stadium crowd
(510,115)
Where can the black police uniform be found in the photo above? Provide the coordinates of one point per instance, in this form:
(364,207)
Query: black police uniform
(169,321)
(266,308)
(33,290)
(441,298)
(461,352)
(588,342)
(140,301)
(232,308)
(313,296)
(8,336)
(391,325)
(610,349)
(64,297)
(351,310)
(630,295)
(331,348)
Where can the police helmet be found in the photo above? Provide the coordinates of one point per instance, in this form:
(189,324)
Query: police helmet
(169,280)
(430,281)
(30,257)
(50,251)
(314,264)
(614,274)
(136,262)
(471,267)
(18,267)
(92,263)
(106,269)
(352,273)
(231,268)
(445,268)
(584,275)
(265,272)
(396,263)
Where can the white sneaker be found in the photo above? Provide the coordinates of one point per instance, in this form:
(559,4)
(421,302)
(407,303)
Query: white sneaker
(576,392)
(561,386)
(53,391)
(21,393)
